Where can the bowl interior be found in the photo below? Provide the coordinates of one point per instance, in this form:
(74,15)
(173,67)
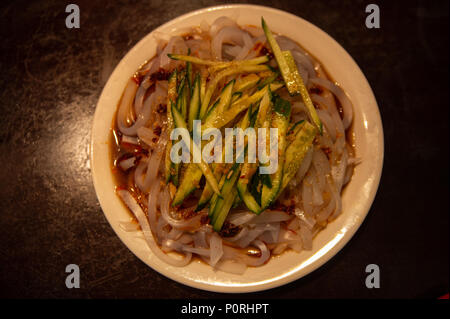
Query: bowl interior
(358,194)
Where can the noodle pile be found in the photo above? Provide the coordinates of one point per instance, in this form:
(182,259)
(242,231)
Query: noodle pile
(311,200)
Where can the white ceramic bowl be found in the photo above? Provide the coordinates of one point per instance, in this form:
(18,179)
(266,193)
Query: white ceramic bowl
(358,195)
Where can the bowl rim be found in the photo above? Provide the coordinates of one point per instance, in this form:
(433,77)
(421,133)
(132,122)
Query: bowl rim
(334,245)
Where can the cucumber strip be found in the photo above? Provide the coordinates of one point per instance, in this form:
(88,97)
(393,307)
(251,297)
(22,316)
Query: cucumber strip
(180,122)
(237,107)
(192,59)
(182,97)
(303,90)
(220,64)
(189,182)
(275,86)
(194,103)
(216,167)
(207,191)
(229,181)
(180,80)
(225,96)
(214,197)
(288,76)
(172,89)
(263,120)
(296,151)
(249,169)
(196,174)
(226,117)
(236,96)
(223,74)
(244,124)
(206,195)
(175,176)
(181,105)
(265,108)
(202,89)
(171,96)
(280,119)
(265,180)
(167,162)
(291,76)
(222,103)
(189,74)
(246,82)
(255,186)
(295,127)
(246,120)
(211,114)
(225,209)
(292,132)
(268,80)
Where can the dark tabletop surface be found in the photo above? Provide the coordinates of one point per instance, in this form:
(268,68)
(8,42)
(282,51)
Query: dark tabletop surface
(51,78)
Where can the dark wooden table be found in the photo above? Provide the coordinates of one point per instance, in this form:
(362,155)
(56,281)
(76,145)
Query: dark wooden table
(51,78)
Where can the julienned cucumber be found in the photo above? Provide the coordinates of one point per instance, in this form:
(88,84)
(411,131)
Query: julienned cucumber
(222,214)
(222,103)
(182,98)
(288,77)
(222,65)
(180,122)
(294,128)
(291,76)
(303,90)
(189,182)
(194,103)
(189,75)
(181,105)
(235,109)
(268,80)
(223,74)
(296,151)
(219,207)
(225,175)
(246,82)
(280,119)
(171,97)
(247,172)
(248,169)
(207,191)
(222,205)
